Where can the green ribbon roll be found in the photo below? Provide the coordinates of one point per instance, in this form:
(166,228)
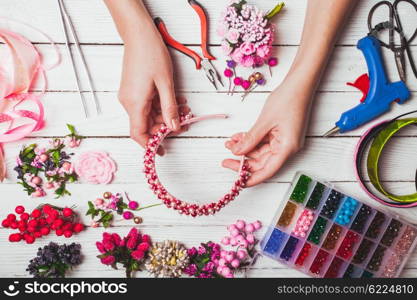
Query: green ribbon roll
(374,154)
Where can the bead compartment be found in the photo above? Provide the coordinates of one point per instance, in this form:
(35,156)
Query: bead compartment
(368,255)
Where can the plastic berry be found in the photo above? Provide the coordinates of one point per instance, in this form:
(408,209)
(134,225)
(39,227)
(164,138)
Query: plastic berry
(238,81)
(133,205)
(36,213)
(258,76)
(246,84)
(272,62)
(5,223)
(127,215)
(252,78)
(137,220)
(228,73)
(11,217)
(68,233)
(107,195)
(19,209)
(36,180)
(78,227)
(67,212)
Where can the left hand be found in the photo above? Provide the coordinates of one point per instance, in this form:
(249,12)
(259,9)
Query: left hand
(277,134)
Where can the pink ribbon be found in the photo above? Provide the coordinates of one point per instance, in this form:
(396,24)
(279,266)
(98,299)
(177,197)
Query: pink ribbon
(18,71)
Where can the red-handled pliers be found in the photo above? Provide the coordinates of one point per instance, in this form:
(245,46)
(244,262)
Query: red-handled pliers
(204,62)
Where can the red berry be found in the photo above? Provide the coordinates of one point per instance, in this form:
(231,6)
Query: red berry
(5,223)
(67,226)
(19,209)
(36,213)
(22,228)
(46,209)
(13,225)
(30,239)
(15,237)
(78,227)
(68,233)
(58,222)
(42,222)
(45,230)
(11,217)
(37,234)
(67,212)
(31,229)
(49,220)
(53,214)
(24,216)
(59,232)
(33,223)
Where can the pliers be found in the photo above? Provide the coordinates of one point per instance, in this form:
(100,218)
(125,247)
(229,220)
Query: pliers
(211,73)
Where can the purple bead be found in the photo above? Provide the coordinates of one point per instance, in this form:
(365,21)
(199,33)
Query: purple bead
(231,64)
(261,81)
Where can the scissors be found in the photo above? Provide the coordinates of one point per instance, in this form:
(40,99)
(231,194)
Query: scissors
(200,62)
(394,25)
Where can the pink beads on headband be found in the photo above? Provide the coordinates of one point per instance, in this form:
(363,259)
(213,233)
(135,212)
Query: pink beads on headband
(303,223)
(169,200)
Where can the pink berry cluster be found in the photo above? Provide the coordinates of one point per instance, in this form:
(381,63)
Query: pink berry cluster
(41,222)
(241,235)
(129,251)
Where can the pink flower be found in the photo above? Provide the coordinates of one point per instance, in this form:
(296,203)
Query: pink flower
(72,141)
(247,48)
(18,161)
(132,242)
(264,51)
(95,167)
(237,55)
(107,237)
(247,61)
(108,260)
(233,35)
(143,247)
(138,254)
(108,245)
(226,48)
(100,247)
(133,232)
(117,239)
(146,238)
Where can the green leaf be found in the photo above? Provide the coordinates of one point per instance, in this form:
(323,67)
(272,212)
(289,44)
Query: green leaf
(71,128)
(275,10)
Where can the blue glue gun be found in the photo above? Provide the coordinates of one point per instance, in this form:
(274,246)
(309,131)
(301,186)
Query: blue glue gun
(381,92)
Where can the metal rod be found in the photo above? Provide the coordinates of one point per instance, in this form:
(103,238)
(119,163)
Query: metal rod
(67,44)
(80,53)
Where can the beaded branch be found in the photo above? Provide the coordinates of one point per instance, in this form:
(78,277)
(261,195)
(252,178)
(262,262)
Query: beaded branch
(171,201)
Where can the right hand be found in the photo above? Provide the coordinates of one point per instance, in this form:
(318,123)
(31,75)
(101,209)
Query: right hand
(147,87)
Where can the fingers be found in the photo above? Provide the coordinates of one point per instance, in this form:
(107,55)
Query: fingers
(244,143)
(169,105)
(139,126)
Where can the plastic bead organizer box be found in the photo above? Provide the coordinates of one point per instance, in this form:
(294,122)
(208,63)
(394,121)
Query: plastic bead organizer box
(325,233)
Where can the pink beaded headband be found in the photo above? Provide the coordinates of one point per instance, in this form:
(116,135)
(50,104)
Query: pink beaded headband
(169,200)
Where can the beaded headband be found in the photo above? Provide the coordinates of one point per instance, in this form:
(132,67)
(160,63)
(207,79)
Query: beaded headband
(171,201)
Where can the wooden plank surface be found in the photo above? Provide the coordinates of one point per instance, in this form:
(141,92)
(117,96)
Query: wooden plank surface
(202,147)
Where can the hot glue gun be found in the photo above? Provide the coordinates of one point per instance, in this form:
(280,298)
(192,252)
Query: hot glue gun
(379,96)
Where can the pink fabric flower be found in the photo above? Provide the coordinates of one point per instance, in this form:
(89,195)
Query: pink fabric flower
(237,56)
(226,48)
(138,254)
(233,35)
(108,260)
(247,61)
(95,167)
(264,51)
(247,48)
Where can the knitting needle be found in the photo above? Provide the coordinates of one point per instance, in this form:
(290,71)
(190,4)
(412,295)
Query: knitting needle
(80,53)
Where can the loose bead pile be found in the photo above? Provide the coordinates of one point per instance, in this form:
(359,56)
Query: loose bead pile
(318,230)
(167,259)
(316,195)
(344,216)
(374,228)
(346,248)
(392,231)
(289,248)
(303,223)
(333,270)
(332,237)
(300,191)
(361,219)
(332,204)
(363,251)
(304,253)
(169,200)
(376,259)
(319,262)
(287,214)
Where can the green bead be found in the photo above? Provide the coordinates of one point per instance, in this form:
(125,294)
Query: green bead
(300,191)
(316,195)
(317,231)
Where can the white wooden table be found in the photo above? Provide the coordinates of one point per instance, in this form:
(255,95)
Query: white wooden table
(193,162)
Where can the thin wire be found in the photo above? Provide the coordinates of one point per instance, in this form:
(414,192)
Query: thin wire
(80,53)
(67,44)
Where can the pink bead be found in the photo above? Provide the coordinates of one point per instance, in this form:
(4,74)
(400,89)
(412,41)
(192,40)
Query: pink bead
(226,271)
(226,241)
(238,81)
(235,263)
(240,224)
(98,202)
(228,73)
(219,269)
(233,242)
(244,244)
(272,62)
(241,254)
(234,232)
(257,225)
(222,262)
(223,253)
(246,84)
(250,238)
(36,180)
(231,227)
(249,228)
(302,234)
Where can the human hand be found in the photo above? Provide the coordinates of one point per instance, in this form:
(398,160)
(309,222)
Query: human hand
(277,134)
(147,87)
